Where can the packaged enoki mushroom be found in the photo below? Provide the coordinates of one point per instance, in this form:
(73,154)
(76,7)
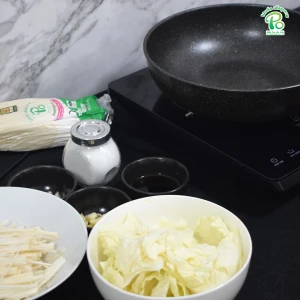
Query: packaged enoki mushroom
(39,123)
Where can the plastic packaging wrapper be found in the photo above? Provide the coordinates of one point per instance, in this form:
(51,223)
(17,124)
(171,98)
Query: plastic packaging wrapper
(40,123)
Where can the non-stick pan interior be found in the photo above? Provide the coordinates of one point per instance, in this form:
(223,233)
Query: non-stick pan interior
(226,47)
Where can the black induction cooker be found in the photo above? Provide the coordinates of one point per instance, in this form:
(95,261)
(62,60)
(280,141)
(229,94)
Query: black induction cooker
(270,151)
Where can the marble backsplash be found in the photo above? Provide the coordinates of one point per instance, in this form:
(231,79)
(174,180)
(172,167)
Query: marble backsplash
(73,48)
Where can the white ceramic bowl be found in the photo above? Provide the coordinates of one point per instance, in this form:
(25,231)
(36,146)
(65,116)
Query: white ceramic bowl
(30,207)
(149,210)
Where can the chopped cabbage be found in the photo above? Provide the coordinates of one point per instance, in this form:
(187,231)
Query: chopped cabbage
(169,259)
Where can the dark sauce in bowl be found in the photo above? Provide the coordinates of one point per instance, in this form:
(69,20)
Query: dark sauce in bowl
(157,183)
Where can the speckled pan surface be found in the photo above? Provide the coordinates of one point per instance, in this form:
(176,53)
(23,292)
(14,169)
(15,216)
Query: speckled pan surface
(218,61)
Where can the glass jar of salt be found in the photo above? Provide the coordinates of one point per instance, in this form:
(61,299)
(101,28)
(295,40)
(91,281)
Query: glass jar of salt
(91,154)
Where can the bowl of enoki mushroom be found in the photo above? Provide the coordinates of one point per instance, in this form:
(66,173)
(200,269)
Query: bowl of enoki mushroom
(42,242)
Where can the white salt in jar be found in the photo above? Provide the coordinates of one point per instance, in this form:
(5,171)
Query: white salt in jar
(91,154)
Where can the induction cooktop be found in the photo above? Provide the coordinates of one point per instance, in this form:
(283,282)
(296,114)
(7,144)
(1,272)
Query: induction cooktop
(270,151)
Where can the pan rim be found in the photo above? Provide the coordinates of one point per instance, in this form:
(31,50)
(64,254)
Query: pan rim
(194,84)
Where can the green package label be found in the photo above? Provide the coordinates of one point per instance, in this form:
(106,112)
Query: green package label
(85,108)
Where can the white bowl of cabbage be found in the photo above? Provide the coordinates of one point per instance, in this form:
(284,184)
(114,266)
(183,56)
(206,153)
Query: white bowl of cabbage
(42,241)
(169,246)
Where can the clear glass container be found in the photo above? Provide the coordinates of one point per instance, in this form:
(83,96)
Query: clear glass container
(91,154)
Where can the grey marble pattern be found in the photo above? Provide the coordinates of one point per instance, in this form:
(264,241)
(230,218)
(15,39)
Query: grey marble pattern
(73,48)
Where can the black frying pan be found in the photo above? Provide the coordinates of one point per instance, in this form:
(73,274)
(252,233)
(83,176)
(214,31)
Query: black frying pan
(218,61)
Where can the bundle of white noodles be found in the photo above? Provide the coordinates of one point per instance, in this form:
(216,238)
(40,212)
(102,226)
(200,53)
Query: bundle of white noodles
(28,260)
